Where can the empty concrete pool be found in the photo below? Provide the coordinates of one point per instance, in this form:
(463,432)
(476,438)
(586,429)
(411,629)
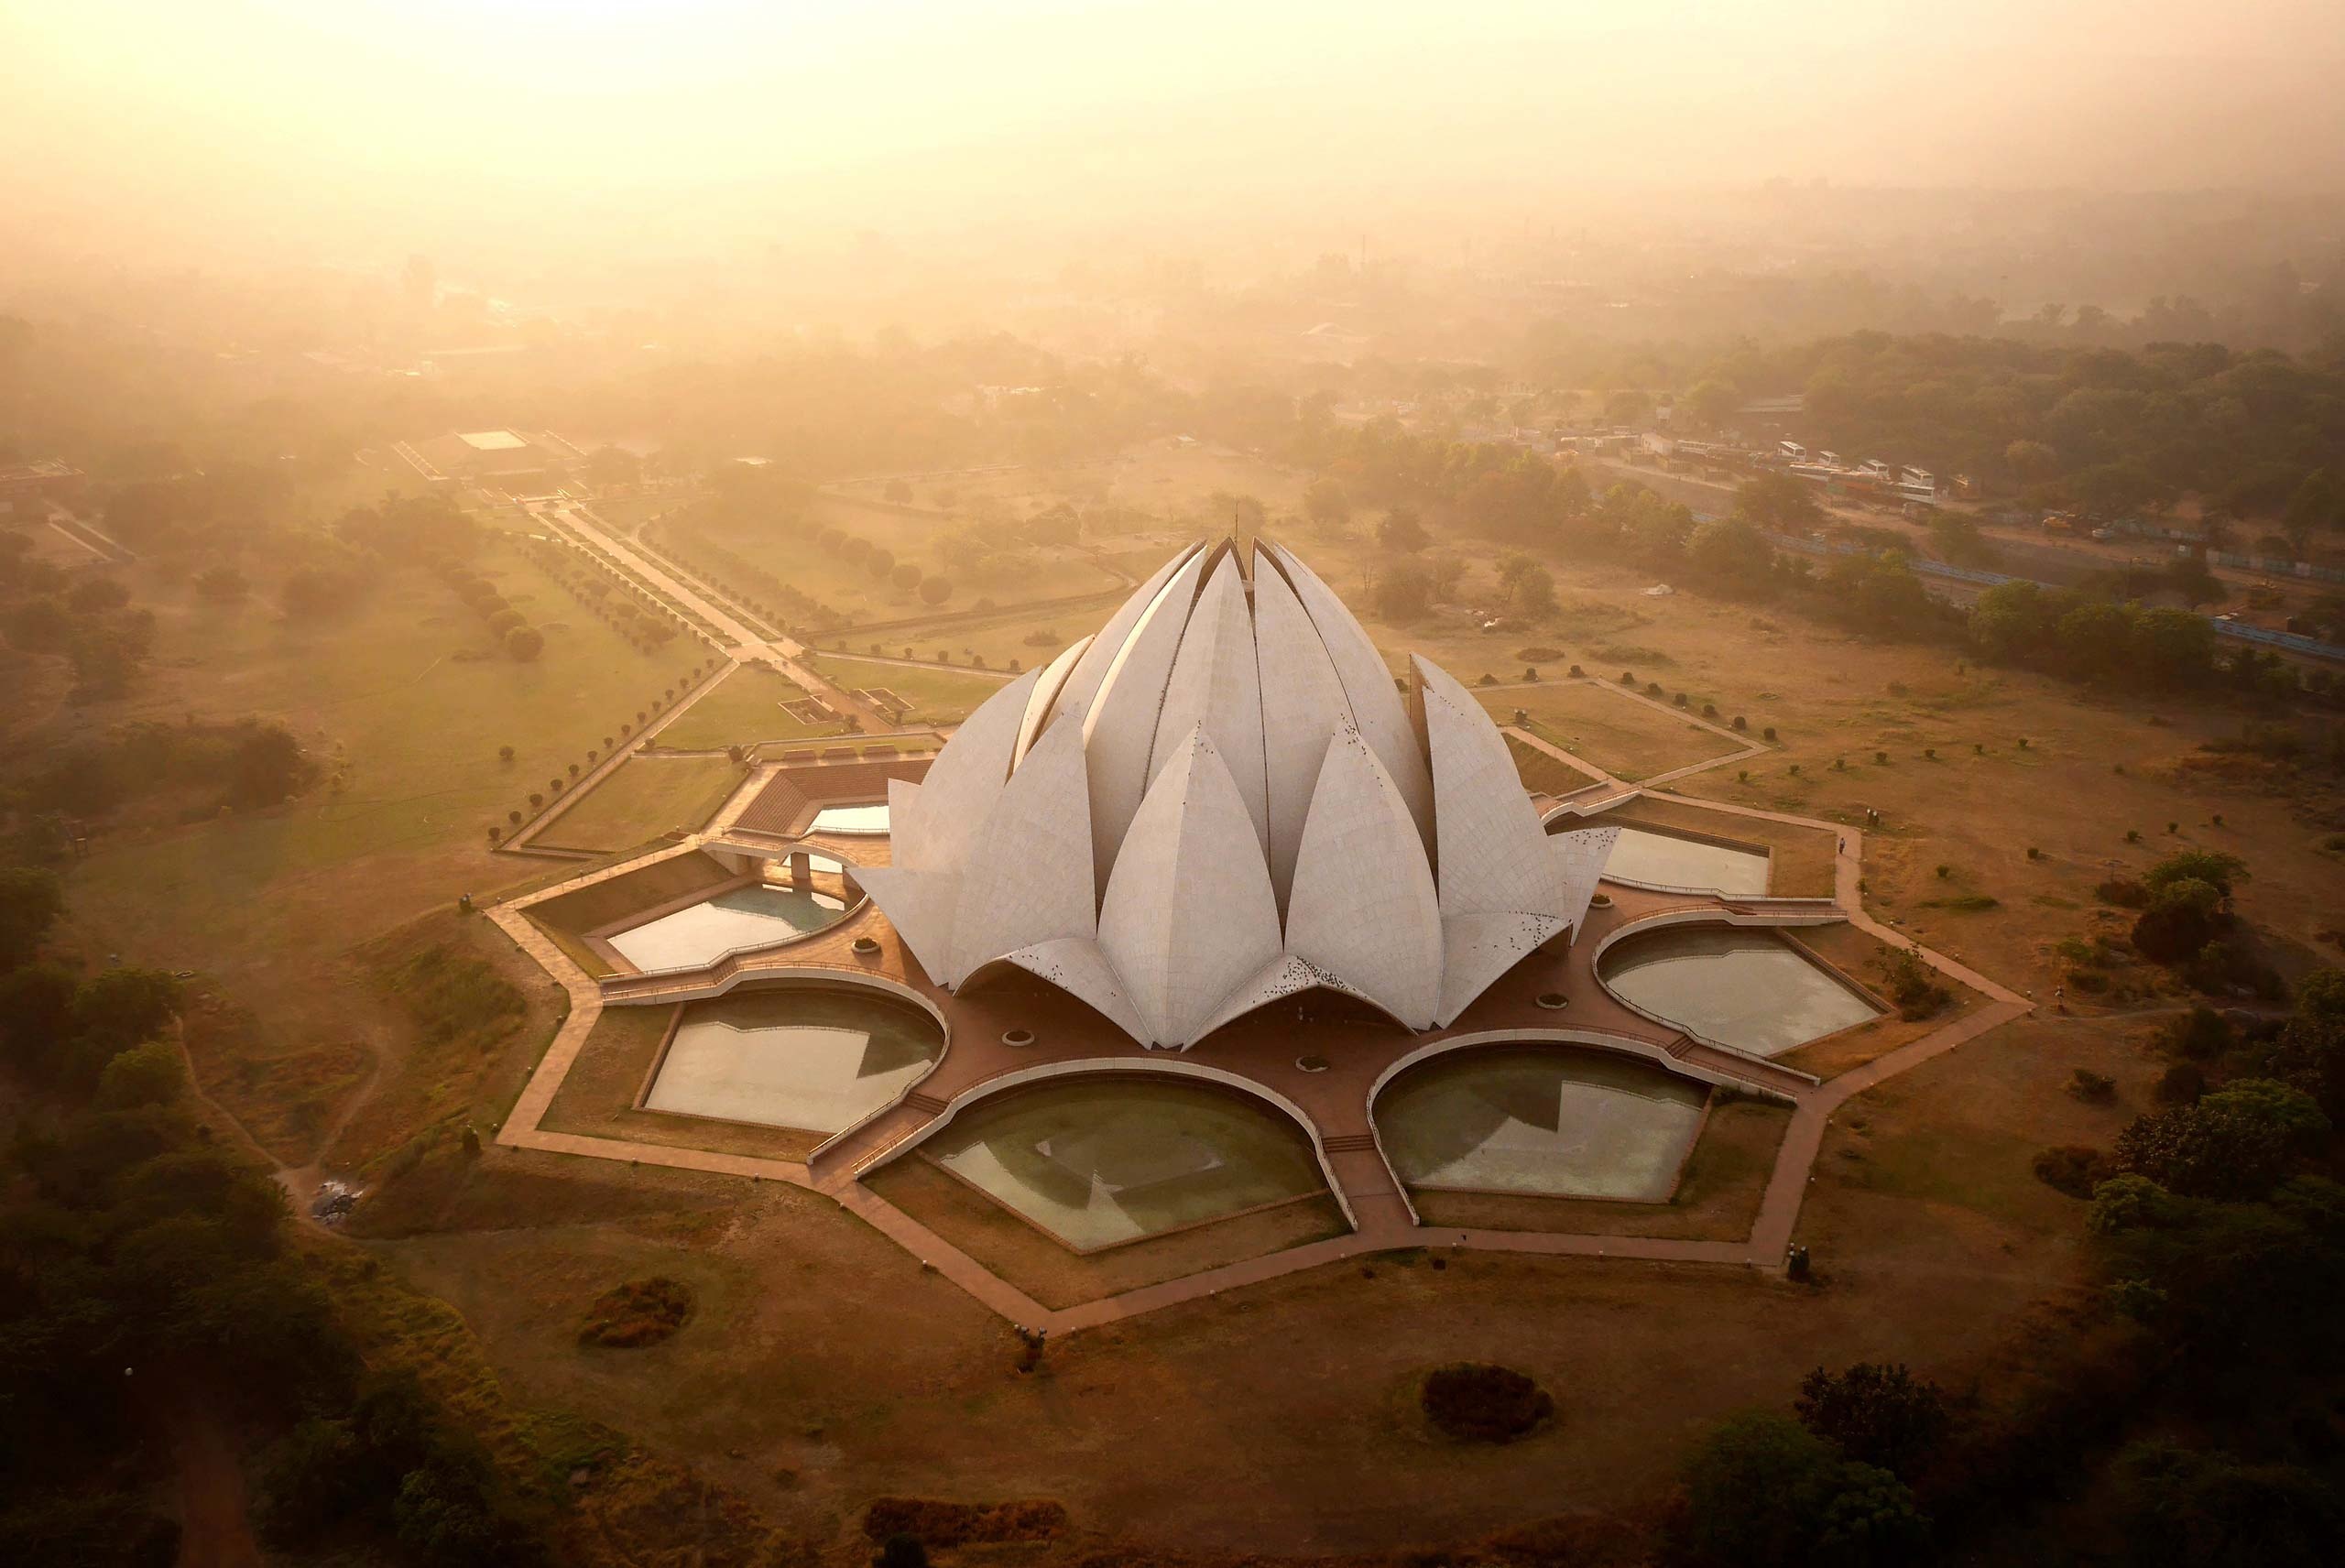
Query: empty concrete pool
(1113,1157)
(755,916)
(801,1056)
(1665,860)
(1745,988)
(1552,1121)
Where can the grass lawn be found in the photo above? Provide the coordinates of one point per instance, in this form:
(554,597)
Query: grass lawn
(998,639)
(743,708)
(647,797)
(382,694)
(937,696)
(1625,738)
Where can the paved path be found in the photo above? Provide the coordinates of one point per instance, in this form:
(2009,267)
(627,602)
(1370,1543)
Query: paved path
(746,646)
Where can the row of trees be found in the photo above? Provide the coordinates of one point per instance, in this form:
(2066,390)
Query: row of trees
(520,639)
(653,707)
(2256,435)
(783,604)
(879,562)
(632,612)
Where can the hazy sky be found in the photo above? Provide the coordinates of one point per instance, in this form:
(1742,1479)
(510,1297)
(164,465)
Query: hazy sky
(369,124)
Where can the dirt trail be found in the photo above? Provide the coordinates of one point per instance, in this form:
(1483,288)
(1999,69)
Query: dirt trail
(215,1529)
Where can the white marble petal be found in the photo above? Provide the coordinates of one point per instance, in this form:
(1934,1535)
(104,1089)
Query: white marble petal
(1364,907)
(963,783)
(1216,687)
(1376,704)
(1303,702)
(1120,730)
(1027,879)
(1477,949)
(1189,914)
(1490,854)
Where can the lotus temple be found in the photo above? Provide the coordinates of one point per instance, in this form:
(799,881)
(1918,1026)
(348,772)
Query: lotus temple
(1222,947)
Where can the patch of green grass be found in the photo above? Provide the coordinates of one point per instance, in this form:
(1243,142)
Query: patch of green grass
(744,708)
(937,696)
(647,797)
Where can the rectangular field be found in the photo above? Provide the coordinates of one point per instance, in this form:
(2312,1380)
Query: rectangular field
(744,708)
(1620,734)
(937,696)
(647,797)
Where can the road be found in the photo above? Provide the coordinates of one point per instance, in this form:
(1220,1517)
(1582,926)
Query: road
(746,646)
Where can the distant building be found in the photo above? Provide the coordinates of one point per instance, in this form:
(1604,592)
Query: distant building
(505,460)
(43,478)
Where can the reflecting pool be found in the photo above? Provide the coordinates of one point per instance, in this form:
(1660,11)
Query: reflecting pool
(1664,860)
(793,1057)
(754,916)
(1109,1158)
(850,820)
(1549,1120)
(1749,989)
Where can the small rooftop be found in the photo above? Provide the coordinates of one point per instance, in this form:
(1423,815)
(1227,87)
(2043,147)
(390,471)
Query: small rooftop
(491,440)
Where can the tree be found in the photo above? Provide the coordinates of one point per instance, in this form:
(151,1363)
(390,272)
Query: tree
(2213,866)
(117,1008)
(1877,1413)
(1730,553)
(1326,503)
(1403,589)
(96,596)
(1712,402)
(30,902)
(2236,1144)
(906,575)
(1402,532)
(934,590)
(2031,460)
(879,562)
(2319,503)
(1628,406)
(148,1075)
(1763,1489)
(2179,921)
(1779,502)
(524,643)
(2184,1509)
(1530,587)
(312,593)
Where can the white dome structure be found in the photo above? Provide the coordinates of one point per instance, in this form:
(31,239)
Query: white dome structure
(1221,799)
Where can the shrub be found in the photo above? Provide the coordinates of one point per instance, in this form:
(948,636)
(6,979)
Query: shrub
(2181,1084)
(1740,723)
(1875,1414)
(1912,984)
(2073,1168)
(2092,1088)
(1767,733)
(1761,1489)
(1477,1402)
(524,643)
(637,1313)
(2124,892)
